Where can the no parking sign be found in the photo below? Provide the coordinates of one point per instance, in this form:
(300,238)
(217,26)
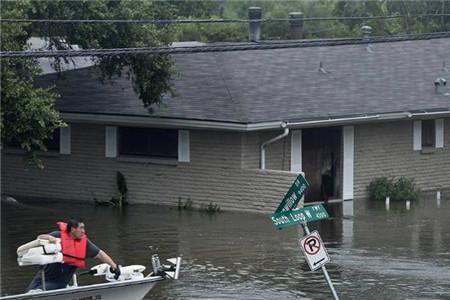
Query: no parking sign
(314,250)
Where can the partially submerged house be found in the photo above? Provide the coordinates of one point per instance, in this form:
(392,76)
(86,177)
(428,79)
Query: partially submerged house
(245,123)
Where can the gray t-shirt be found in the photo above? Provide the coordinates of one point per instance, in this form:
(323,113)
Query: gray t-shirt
(63,273)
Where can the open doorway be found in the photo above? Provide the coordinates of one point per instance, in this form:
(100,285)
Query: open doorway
(321,162)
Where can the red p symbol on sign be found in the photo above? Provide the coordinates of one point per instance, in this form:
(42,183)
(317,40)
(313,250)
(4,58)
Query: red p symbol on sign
(311,245)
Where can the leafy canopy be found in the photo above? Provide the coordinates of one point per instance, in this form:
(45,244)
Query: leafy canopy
(28,115)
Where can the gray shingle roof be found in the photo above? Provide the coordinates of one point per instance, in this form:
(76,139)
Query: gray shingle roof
(284,84)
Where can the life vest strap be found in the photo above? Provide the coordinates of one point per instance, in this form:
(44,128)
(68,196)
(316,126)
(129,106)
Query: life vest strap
(73,256)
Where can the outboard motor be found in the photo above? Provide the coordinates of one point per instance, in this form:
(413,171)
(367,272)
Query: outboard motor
(170,271)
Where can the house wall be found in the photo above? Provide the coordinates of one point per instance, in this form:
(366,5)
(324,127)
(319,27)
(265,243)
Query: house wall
(278,154)
(386,149)
(213,175)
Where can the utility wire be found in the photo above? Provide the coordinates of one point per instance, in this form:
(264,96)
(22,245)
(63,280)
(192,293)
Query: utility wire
(190,21)
(265,45)
(156,22)
(368,17)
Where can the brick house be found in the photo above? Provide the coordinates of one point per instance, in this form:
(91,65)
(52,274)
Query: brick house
(245,123)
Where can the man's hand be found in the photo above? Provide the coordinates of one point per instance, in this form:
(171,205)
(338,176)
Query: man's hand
(114,268)
(52,239)
(116,271)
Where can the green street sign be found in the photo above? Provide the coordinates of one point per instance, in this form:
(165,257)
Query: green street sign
(301,215)
(293,196)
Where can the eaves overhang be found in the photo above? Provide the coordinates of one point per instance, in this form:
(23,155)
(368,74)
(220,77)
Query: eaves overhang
(125,120)
(374,118)
(163,122)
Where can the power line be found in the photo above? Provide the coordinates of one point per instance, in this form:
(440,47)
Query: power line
(156,22)
(364,18)
(219,48)
(199,21)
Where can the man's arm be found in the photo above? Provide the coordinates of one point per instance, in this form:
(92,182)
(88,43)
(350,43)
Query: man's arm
(47,237)
(106,259)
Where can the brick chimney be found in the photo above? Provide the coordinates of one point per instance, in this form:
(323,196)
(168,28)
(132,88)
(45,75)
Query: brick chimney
(295,25)
(254,27)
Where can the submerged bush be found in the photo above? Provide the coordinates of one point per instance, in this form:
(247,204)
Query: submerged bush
(400,190)
(186,205)
(380,188)
(211,208)
(405,189)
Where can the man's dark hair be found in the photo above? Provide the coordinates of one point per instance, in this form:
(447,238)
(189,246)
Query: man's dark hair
(73,223)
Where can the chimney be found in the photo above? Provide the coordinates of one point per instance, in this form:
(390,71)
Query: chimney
(440,85)
(295,25)
(366,30)
(254,27)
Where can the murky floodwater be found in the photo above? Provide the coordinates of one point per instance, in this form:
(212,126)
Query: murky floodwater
(377,254)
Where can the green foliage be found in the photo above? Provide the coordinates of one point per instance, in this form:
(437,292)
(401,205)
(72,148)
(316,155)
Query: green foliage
(405,189)
(314,29)
(211,208)
(123,189)
(380,188)
(186,205)
(120,200)
(403,25)
(101,202)
(28,115)
(150,74)
(400,190)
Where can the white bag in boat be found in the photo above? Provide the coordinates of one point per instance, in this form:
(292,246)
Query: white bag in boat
(39,252)
(35,243)
(44,250)
(31,258)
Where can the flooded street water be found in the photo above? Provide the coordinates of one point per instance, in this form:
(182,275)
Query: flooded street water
(375,254)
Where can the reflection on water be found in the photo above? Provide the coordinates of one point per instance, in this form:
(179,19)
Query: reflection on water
(375,254)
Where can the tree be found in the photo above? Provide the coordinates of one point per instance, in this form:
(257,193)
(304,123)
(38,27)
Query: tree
(232,32)
(28,115)
(409,22)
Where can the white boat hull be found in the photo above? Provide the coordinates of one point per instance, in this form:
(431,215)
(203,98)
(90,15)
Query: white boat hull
(135,289)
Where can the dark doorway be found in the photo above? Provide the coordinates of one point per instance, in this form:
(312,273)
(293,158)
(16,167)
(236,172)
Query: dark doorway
(321,161)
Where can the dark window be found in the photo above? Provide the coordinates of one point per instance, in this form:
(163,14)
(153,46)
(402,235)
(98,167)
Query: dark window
(52,143)
(148,142)
(428,133)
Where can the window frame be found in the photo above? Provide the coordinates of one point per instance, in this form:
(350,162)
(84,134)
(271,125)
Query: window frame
(148,134)
(428,133)
(53,144)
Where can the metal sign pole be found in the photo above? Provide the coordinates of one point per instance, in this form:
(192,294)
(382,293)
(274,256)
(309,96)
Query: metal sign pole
(324,270)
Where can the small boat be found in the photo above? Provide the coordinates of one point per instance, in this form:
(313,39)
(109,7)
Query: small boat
(130,285)
(130,289)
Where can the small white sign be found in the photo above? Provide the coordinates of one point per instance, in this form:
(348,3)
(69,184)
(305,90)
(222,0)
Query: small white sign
(314,250)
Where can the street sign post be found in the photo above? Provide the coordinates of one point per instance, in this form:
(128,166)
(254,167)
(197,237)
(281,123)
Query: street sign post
(314,250)
(294,194)
(324,269)
(312,246)
(300,215)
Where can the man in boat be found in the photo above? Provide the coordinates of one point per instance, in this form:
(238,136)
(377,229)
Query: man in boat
(75,247)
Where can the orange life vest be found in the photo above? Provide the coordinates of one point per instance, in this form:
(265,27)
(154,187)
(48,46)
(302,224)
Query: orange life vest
(73,250)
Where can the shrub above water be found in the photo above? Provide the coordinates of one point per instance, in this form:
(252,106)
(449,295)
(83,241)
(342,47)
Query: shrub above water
(405,189)
(380,188)
(400,190)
